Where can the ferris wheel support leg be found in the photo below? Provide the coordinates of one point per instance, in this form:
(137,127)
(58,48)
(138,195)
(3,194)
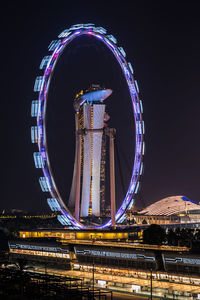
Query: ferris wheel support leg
(77,195)
(112,178)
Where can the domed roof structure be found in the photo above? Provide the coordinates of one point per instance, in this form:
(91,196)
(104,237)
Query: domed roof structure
(171,206)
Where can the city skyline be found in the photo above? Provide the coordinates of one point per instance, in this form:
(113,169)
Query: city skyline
(165,57)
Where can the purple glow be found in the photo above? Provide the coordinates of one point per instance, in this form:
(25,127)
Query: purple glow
(43,93)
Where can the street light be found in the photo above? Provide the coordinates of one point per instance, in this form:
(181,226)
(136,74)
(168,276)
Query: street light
(151,284)
(93,277)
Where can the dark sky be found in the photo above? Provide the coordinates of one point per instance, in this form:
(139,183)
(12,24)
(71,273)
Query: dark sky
(163,45)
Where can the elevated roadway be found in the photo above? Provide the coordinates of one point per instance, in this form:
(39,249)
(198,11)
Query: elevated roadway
(125,245)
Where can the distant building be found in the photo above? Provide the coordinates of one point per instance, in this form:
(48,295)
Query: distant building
(174,209)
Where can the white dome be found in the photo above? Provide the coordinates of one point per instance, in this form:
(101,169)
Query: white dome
(170,206)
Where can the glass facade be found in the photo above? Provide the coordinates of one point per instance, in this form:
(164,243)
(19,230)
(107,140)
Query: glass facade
(112,38)
(130,67)
(40,253)
(122,51)
(34,108)
(44,62)
(38,160)
(63,220)
(38,83)
(53,203)
(53,45)
(45,184)
(34,134)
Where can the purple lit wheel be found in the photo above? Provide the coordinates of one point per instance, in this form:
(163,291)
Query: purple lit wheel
(38,132)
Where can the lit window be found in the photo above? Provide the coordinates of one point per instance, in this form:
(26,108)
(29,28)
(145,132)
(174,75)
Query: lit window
(44,62)
(65,33)
(45,184)
(122,51)
(63,220)
(34,108)
(112,38)
(53,45)
(136,85)
(38,159)
(130,67)
(100,30)
(53,203)
(38,83)
(34,134)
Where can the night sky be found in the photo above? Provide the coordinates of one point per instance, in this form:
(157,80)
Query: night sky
(163,45)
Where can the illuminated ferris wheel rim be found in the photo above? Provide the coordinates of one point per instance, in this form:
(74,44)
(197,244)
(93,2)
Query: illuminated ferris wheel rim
(42,84)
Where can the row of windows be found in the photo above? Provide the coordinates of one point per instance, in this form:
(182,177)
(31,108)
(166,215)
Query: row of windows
(63,220)
(122,51)
(112,38)
(38,83)
(38,159)
(40,253)
(45,184)
(66,32)
(34,108)
(53,203)
(44,62)
(117,262)
(34,134)
(53,45)
(182,269)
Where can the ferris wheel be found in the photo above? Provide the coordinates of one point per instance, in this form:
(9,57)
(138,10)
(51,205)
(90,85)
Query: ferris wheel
(39,134)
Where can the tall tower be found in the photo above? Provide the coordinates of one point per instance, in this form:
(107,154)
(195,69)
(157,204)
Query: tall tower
(89,118)
(103,167)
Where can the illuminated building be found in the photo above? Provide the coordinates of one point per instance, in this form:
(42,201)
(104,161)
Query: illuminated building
(120,257)
(120,266)
(103,175)
(89,119)
(38,253)
(174,209)
(171,206)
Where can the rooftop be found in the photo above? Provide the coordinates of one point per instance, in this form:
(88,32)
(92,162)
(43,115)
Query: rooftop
(171,206)
(94,94)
